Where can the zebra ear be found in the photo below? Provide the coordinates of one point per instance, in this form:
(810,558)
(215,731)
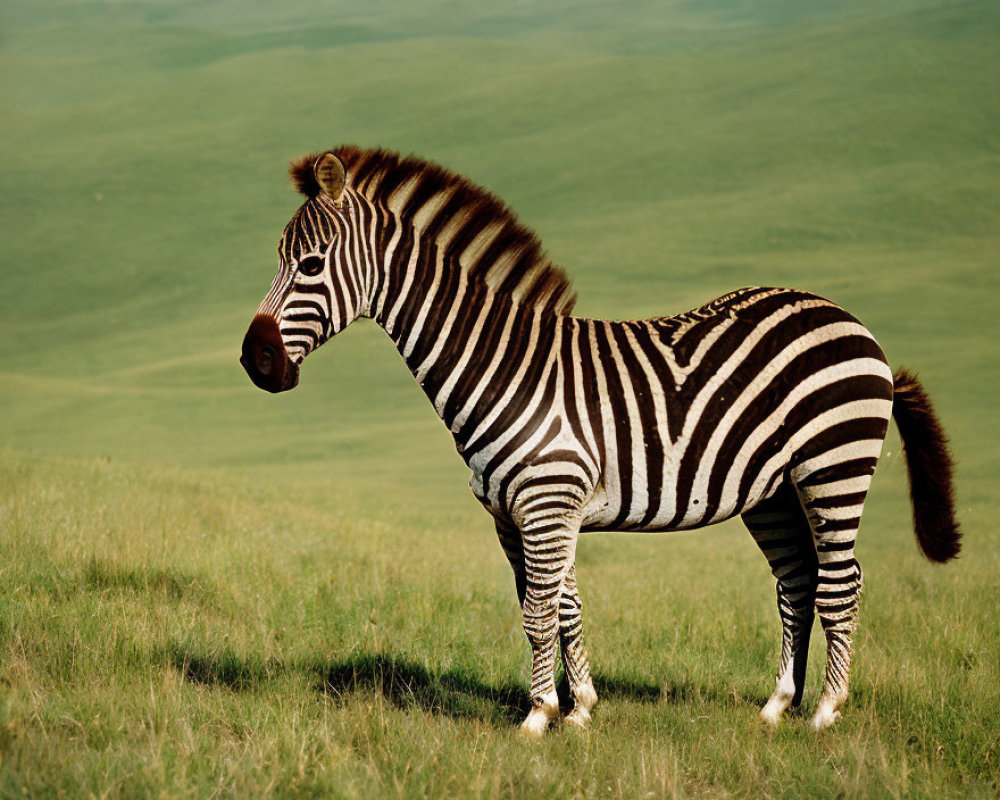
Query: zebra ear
(330,175)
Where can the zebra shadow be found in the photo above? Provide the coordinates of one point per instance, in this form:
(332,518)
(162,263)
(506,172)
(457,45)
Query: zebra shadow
(456,692)
(406,684)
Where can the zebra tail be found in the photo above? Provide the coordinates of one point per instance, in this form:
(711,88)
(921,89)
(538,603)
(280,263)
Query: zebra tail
(929,465)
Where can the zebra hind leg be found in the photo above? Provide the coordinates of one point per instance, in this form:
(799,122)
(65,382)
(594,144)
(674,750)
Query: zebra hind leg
(782,532)
(833,499)
(510,541)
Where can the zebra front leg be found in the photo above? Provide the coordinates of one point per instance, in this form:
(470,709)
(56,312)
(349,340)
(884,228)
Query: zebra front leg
(574,654)
(549,547)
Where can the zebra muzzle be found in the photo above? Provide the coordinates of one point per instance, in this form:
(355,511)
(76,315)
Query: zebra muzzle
(265,359)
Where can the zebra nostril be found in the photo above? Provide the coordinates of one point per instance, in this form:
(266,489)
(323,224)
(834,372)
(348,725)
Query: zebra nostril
(265,358)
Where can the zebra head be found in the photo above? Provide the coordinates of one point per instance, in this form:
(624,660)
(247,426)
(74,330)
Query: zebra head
(321,283)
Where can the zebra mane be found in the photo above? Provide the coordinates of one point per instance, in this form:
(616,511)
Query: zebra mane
(490,244)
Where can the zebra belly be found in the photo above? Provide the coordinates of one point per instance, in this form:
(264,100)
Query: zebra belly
(602,515)
(850,423)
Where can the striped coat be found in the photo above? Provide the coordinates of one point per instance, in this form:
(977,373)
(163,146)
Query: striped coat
(766,403)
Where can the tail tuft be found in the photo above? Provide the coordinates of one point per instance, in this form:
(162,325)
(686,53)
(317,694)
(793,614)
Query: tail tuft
(929,464)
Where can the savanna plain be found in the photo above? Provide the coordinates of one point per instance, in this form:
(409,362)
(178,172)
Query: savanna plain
(207,591)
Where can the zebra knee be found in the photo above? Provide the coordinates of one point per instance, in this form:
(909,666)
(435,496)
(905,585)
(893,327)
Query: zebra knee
(570,615)
(540,620)
(796,603)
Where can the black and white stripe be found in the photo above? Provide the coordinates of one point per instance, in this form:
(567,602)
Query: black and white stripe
(766,403)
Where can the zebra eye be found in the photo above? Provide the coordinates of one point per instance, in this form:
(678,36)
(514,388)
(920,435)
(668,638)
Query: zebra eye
(311,266)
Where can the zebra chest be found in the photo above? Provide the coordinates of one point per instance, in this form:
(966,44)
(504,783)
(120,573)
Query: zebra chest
(548,459)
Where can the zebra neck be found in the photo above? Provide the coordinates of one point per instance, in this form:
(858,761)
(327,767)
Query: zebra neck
(465,345)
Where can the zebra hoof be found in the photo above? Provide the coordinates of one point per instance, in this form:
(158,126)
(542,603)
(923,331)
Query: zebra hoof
(826,714)
(775,707)
(540,717)
(770,716)
(585,698)
(578,718)
(782,696)
(535,725)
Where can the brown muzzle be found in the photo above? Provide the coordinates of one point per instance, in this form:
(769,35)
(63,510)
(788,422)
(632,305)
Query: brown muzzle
(264,357)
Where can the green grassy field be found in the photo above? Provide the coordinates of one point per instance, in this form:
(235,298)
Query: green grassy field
(206,590)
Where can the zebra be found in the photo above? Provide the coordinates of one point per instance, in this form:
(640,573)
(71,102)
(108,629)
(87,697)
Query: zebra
(767,403)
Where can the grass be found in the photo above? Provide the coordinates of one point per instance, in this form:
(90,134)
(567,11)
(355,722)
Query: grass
(207,590)
(184,631)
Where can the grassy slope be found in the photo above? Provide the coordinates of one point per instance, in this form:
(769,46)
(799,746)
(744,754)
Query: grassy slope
(301,587)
